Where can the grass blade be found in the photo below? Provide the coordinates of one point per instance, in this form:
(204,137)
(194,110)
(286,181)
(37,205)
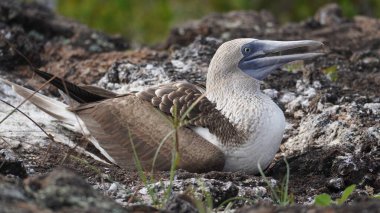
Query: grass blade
(346,193)
(323,200)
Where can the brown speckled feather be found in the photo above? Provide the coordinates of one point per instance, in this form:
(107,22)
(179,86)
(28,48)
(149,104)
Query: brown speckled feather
(114,121)
(182,96)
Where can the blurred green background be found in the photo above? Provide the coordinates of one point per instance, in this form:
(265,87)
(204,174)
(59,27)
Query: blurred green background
(149,21)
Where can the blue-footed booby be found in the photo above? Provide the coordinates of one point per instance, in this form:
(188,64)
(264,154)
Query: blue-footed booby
(232,125)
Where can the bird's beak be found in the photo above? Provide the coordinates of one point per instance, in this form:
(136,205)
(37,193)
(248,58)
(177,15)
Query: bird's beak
(266,56)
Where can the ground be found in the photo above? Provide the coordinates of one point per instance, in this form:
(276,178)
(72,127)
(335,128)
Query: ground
(331,104)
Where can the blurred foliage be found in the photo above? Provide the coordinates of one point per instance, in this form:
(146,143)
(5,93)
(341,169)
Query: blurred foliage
(149,21)
(331,73)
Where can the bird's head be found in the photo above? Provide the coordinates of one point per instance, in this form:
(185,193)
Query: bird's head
(255,59)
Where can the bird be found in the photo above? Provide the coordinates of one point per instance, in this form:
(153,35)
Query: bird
(228,125)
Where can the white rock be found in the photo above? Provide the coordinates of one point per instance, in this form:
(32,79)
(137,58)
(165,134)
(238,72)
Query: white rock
(177,63)
(287,97)
(317,85)
(310,92)
(300,86)
(375,107)
(113,187)
(143,191)
(272,93)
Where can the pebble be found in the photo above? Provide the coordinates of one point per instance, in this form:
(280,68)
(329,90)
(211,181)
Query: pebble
(272,93)
(317,85)
(370,60)
(177,63)
(375,107)
(113,187)
(336,184)
(299,114)
(287,97)
(310,92)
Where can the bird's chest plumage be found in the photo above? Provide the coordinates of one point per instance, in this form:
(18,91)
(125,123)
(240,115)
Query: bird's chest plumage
(262,143)
(263,124)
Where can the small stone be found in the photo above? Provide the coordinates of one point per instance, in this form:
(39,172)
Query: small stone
(317,85)
(370,60)
(143,191)
(375,107)
(295,104)
(113,187)
(272,93)
(287,97)
(31,171)
(346,167)
(300,86)
(310,92)
(320,106)
(336,184)
(8,155)
(299,114)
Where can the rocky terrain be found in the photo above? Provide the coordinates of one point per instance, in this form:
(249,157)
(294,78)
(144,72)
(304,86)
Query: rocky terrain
(332,107)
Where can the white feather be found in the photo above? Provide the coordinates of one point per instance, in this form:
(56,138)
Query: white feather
(59,111)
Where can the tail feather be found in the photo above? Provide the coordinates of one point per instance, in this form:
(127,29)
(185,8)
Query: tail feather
(59,111)
(52,107)
(79,94)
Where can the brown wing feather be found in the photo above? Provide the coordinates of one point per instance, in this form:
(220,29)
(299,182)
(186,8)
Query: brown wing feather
(99,91)
(182,96)
(113,122)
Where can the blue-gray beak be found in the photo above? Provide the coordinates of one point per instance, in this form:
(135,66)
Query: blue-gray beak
(262,57)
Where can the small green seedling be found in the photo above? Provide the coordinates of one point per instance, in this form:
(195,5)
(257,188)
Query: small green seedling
(280,194)
(331,73)
(294,67)
(325,199)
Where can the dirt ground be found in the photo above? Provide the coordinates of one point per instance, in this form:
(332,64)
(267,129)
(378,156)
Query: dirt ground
(331,104)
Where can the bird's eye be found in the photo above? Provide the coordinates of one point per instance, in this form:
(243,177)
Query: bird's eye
(247,50)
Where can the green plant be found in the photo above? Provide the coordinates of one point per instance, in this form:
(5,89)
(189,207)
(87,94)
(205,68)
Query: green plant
(326,200)
(148,182)
(177,122)
(331,73)
(206,205)
(294,67)
(280,195)
(376,196)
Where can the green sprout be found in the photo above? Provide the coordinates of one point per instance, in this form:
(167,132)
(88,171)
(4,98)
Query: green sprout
(326,200)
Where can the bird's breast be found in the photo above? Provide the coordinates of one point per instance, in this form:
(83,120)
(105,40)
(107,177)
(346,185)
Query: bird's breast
(262,143)
(264,127)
